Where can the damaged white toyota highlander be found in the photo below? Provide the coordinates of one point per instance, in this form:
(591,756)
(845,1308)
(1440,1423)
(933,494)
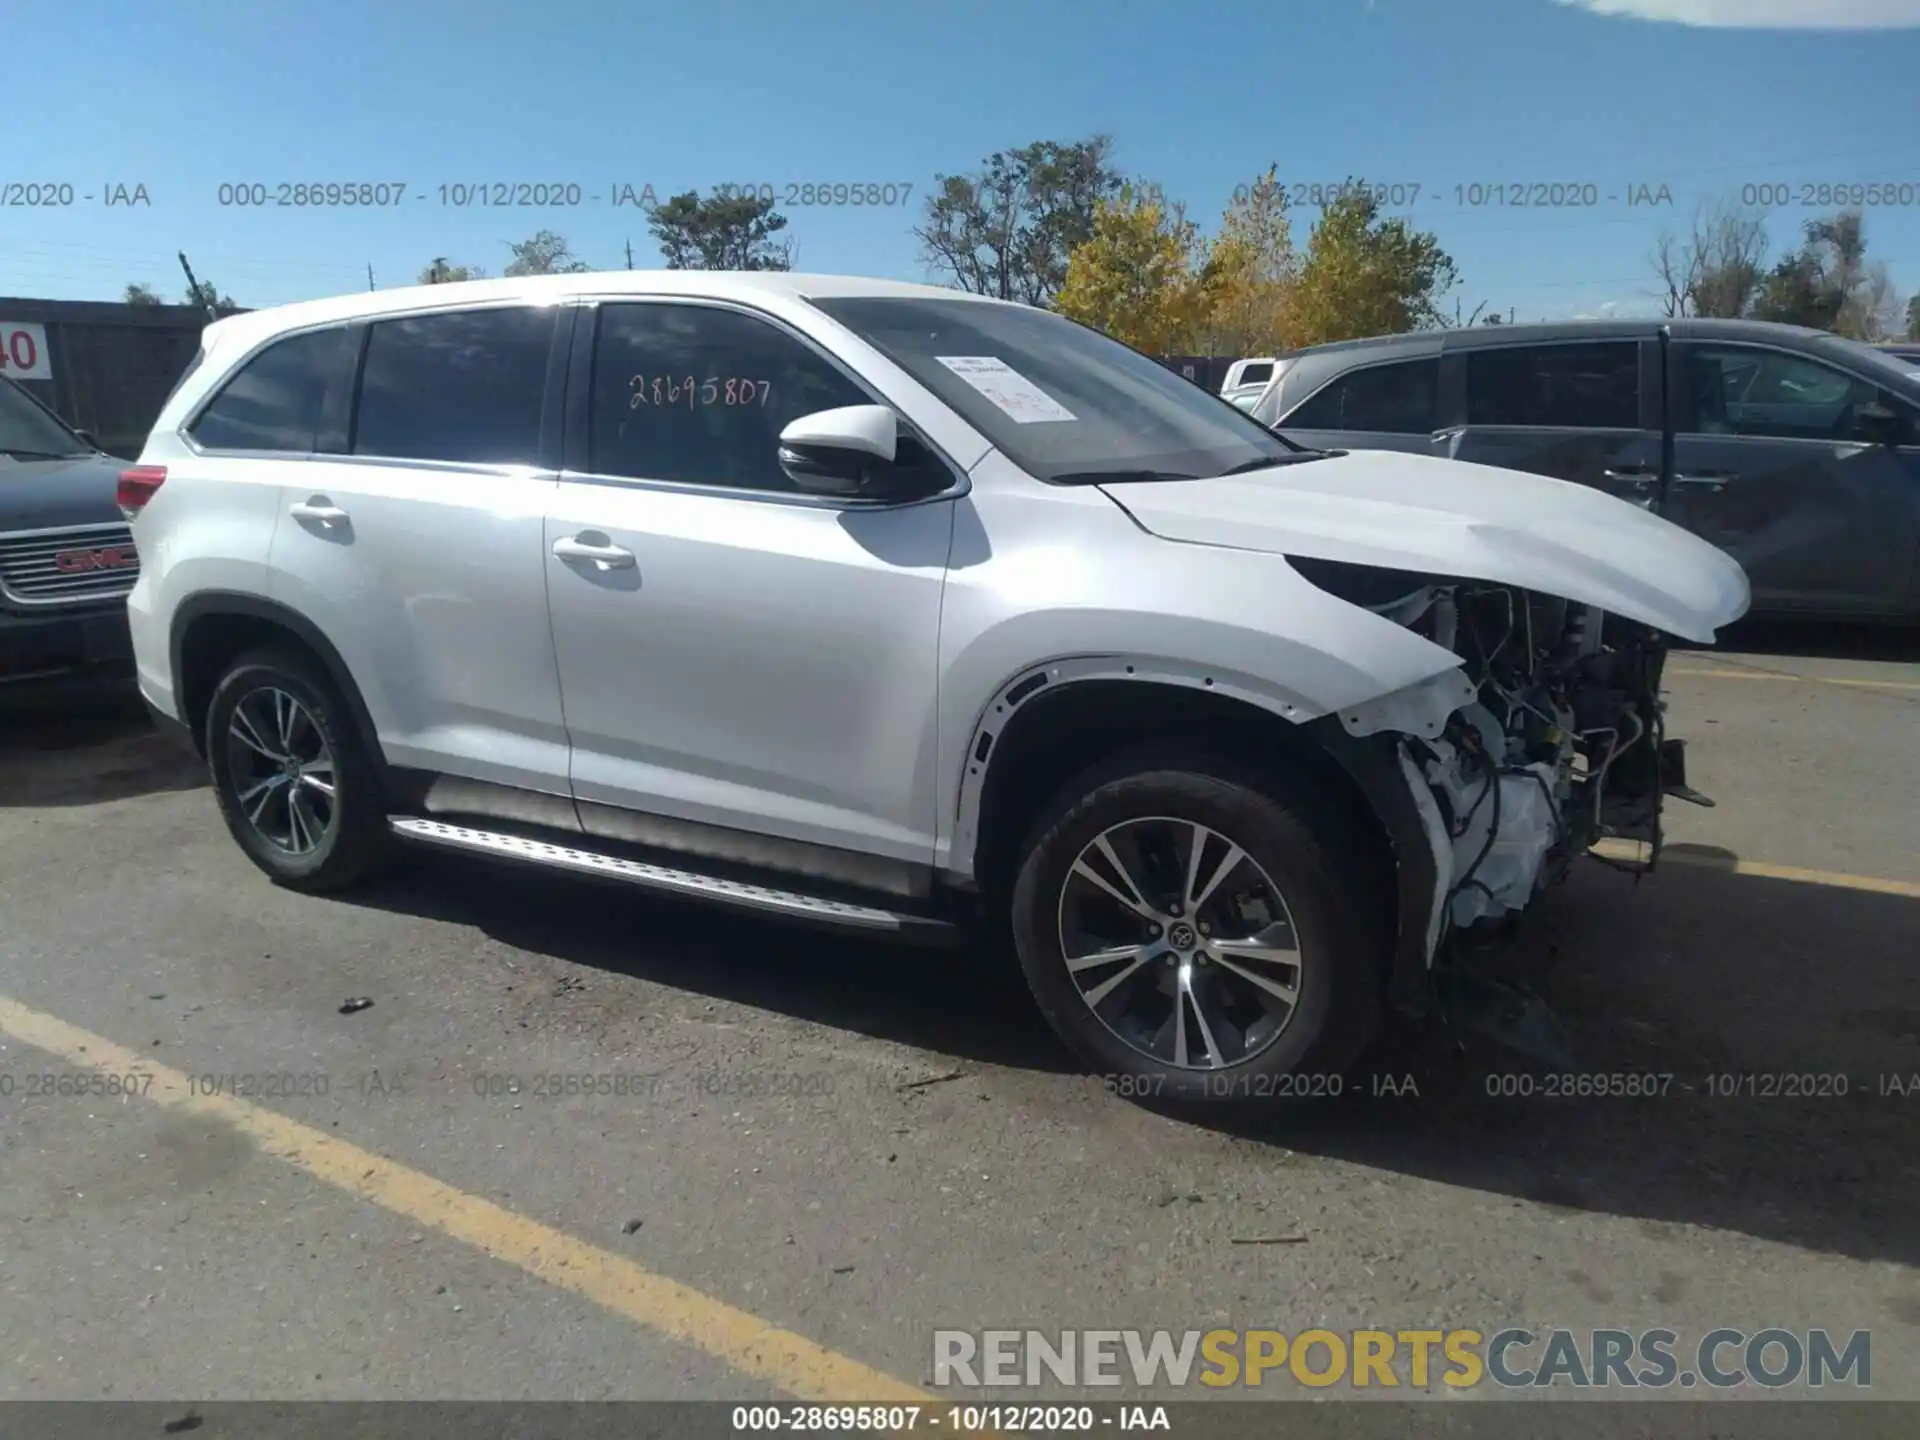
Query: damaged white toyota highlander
(900,611)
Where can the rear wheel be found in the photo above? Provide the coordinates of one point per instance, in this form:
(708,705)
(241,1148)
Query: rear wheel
(296,785)
(1199,930)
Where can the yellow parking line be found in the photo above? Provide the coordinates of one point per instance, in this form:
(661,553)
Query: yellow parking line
(747,1343)
(1804,679)
(1734,865)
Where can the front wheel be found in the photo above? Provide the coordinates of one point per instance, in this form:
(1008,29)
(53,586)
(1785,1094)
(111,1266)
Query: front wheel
(295,783)
(1198,930)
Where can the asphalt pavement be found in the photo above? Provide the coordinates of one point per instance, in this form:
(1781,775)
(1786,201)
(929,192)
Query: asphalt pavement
(797,1155)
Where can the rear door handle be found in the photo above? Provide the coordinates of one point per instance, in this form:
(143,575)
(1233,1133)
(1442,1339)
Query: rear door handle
(1706,479)
(1637,476)
(604,552)
(317,507)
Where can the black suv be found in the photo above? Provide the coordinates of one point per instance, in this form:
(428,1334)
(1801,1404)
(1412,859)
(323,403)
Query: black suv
(1795,451)
(66,553)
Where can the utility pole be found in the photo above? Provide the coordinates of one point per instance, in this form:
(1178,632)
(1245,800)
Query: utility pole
(193,286)
(370,275)
(629,254)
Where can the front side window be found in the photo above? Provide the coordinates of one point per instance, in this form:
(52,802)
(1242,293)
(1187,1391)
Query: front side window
(462,386)
(699,395)
(273,402)
(1065,403)
(1592,386)
(28,432)
(1399,399)
(1742,391)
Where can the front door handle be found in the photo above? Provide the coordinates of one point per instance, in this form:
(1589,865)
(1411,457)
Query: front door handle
(319,508)
(601,551)
(1706,479)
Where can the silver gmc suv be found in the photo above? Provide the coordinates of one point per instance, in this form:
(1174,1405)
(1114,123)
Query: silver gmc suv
(901,610)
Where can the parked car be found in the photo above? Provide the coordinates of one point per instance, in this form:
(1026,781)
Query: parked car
(1247,380)
(1906,352)
(899,610)
(1793,450)
(67,558)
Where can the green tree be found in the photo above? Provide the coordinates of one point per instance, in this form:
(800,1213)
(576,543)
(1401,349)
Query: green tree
(208,297)
(439,272)
(544,253)
(1913,318)
(1364,275)
(1718,268)
(723,232)
(1009,228)
(1139,276)
(142,294)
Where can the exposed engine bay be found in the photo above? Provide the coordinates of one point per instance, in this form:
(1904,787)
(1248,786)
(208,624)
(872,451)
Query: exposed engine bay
(1555,742)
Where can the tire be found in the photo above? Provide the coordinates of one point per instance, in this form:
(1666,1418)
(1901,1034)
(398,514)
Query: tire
(1295,841)
(352,836)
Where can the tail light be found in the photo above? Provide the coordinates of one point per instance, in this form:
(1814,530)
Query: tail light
(138,485)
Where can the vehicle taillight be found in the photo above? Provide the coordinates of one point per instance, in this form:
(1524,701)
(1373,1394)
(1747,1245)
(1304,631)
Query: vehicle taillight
(138,485)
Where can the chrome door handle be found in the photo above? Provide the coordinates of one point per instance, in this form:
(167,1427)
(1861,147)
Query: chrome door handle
(1705,480)
(1635,476)
(614,557)
(318,508)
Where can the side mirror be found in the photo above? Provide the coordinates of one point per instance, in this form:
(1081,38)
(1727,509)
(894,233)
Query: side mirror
(86,438)
(1880,424)
(848,451)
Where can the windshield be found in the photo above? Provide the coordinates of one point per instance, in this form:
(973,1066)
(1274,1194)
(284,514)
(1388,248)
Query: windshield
(29,432)
(1065,403)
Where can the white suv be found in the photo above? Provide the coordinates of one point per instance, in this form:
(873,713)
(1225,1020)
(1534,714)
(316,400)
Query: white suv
(892,608)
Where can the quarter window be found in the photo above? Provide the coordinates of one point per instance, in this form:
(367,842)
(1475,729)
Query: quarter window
(1397,399)
(273,402)
(463,386)
(1572,387)
(1739,391)
(699,394)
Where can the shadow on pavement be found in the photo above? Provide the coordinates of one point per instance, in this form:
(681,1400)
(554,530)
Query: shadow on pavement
(87,753)
(1777,987)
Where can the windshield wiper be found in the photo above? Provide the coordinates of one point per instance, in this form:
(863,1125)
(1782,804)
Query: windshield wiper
(1295,457)
(1117,477)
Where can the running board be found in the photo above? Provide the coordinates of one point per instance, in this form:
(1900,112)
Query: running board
(687,883)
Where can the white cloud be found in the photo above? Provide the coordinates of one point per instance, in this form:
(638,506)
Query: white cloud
(1766,14)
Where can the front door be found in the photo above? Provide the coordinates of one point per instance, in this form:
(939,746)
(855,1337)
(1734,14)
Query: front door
(732,651)
(1770,466)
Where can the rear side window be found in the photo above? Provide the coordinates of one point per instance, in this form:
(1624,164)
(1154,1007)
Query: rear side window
(273,402)
(465,386)
(1255,375)
(1400,399)
(1574,387)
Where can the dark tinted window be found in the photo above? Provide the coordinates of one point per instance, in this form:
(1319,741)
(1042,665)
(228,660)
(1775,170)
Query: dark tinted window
(1255,375)
(1765,392)
(700,395)
(1568,386)
(273,403)
(462,386)
(1382,399)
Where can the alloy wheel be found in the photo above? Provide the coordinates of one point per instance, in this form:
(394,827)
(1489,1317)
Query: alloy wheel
(281,770)
(1180,943)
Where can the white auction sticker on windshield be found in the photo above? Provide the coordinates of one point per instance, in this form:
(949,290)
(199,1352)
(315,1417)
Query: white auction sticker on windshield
(1007,388)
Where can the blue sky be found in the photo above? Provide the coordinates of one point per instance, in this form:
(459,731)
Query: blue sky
(1201,95)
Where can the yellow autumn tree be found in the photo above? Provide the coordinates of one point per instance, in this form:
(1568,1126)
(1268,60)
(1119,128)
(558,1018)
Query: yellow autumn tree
(1366,275)
(1139,275)
(1251,272)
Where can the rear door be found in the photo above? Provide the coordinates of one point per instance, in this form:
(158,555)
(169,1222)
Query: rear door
(1393,405)
(413,539)
(1584,411)
(1770,465)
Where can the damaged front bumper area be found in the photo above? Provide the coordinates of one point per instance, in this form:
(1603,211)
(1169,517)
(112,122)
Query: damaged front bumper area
(1548,738)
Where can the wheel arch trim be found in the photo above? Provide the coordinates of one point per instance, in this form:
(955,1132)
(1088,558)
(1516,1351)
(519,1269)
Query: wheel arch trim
(215,604)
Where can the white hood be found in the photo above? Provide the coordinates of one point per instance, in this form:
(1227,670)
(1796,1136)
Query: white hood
(1452,518)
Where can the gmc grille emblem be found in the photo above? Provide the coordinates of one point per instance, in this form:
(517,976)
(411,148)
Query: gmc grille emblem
(79,562)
